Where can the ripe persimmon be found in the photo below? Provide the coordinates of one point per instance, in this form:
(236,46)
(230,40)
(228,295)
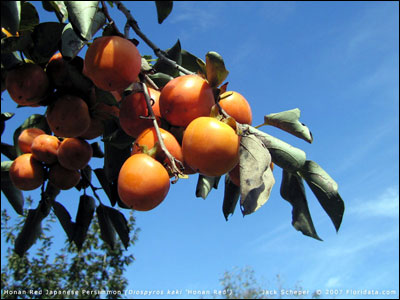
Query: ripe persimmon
(186,98)
(27,84)
(149,138)
(143,182)
(68,116)
(74,153)
(210,147)
(26,138)
(132,110)
(45,147)
(95,129)
(236,106)
(63,178)
(112,63)
(27,173)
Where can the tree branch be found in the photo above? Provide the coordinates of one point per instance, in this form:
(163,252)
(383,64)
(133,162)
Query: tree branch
(157,51)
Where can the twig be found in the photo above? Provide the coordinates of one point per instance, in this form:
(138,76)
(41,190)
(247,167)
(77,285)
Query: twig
(175,170)
(83,174)
(151,82)
(110,20)
(157,51)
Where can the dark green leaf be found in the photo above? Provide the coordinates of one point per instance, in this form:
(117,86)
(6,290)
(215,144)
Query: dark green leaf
(65,219)
(164,8)
(85,17)
(104,97)
(14,195)
(256,178)
(83,219)
(30,231)
(33,121)
(284,155)
(9,61)
(160,79)
(71,43)
(174,54)
(215,68)
(101,176)
(6,116)
(58,7)
(205,184)
(292,190)
(289,122)
(86,178)
(231,197)
(326,191)
(29,17)
(15,43)
(107,229)
(10,15)
(9,151)
(190,62)
(120,224)
(45,37)
(97,151)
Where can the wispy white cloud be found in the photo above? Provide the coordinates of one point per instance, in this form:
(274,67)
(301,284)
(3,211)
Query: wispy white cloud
(385,205)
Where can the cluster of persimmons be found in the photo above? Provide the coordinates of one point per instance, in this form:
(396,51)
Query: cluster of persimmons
(206,145)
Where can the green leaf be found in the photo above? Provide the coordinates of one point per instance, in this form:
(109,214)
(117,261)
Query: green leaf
(58,7)
(97,151)
(9,151)
(164,8)
(289,122)
(65,219)
(174,54)
(284,155)
(205,184)
(326,191)
(256,178)
(30,231)
(215,68)
(71,43)
(33,121)
(29,17)
(14,195)
(10,15)
(105,97)
(160,79)
(86,178)
(83,219)
(101,176)
(107,230)
(190,62)
(231,197)
(120,224)
(292,190)
(15,43)
(46,37)
(85,17)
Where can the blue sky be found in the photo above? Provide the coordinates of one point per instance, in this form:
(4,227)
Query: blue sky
(338,62)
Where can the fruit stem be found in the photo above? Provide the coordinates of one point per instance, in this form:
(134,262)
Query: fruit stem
(157,51)
(175,170)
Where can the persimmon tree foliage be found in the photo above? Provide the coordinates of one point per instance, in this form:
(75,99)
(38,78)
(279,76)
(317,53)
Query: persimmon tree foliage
(194,124)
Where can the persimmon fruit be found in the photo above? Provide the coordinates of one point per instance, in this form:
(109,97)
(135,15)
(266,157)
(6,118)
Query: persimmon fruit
(27,84)
(149,138)
(26,173)
(236,106)
(68,116)
(186,98)
(210,146)
(74,153)
(143,182)
(45,148)
(26,138)
(132,110)
(112,63)
(63,178)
